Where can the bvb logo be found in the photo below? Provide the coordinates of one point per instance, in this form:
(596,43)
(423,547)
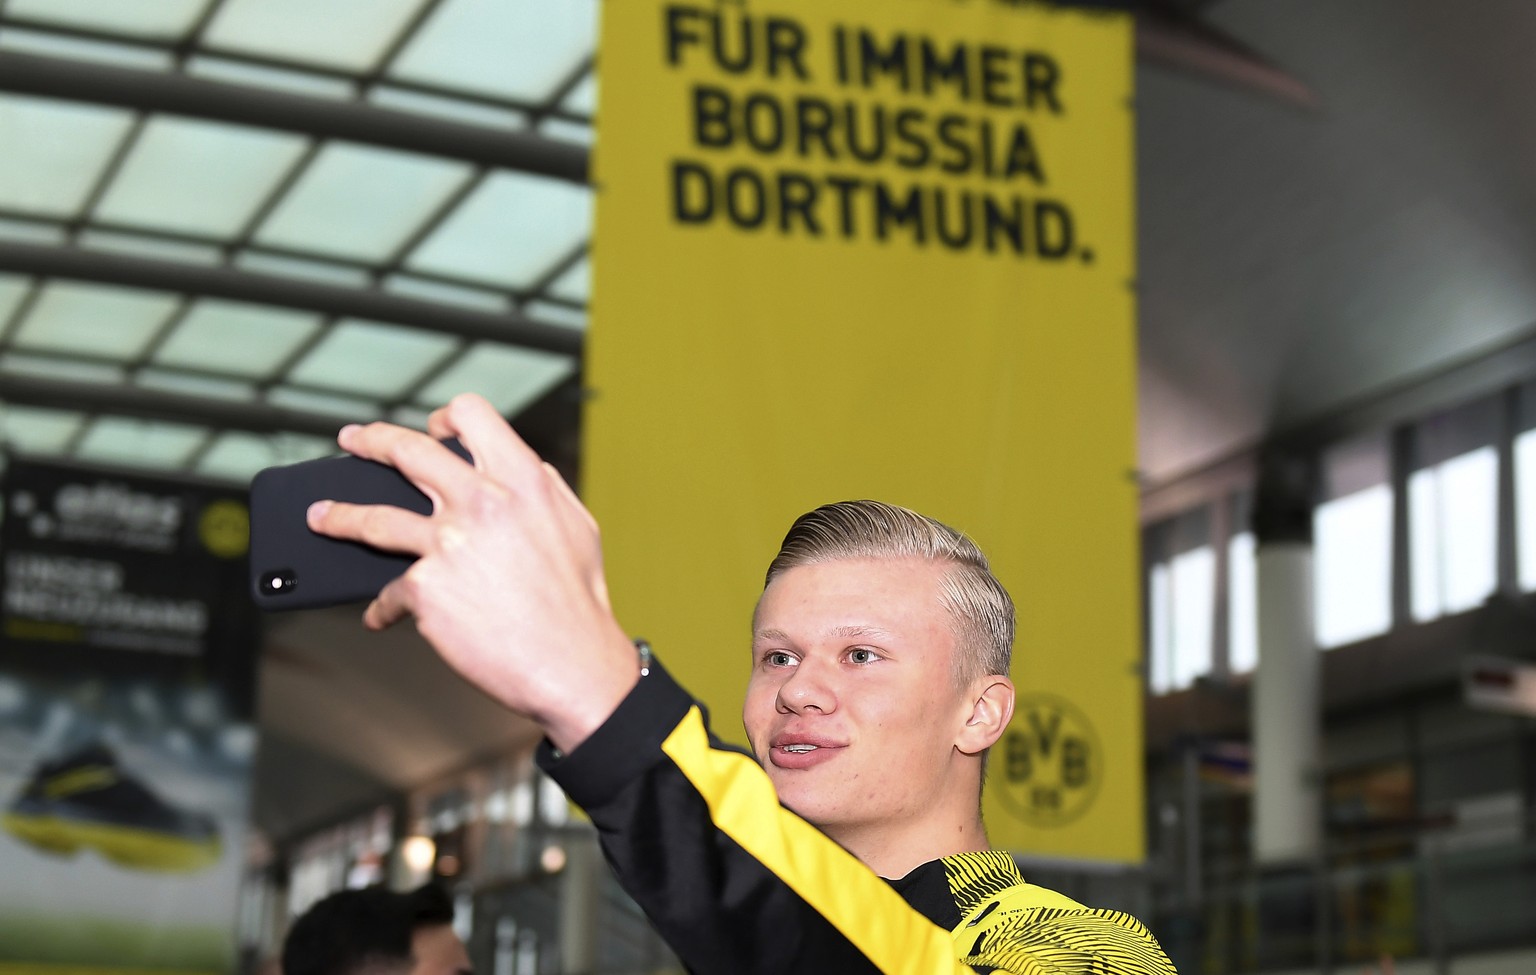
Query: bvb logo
(225,529)
(1051,762)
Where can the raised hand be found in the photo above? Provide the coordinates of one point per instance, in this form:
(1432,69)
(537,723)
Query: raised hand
(508,585)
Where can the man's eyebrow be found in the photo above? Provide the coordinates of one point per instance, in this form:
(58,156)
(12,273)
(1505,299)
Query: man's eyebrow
(847,632)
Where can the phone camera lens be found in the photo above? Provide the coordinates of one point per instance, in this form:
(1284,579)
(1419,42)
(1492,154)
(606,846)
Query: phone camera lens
(279,583)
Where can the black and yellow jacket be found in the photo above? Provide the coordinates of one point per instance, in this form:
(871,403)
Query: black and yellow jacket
(738,885)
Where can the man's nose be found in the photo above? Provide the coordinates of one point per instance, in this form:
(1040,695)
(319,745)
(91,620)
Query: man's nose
(807,688)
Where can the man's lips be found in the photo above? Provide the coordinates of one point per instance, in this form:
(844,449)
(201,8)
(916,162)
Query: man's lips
(791,751)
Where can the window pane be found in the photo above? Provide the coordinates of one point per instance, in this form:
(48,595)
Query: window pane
(235,168)
(1353,566)
(1424,544)
(1468,516)
(1525,507)
(510,48)
(345,34)
(361,202)
(53,152)
(1160,627)
(1242,604)
(1452,530)
(1194,603)
(138,443)
(154,19)
(94,319)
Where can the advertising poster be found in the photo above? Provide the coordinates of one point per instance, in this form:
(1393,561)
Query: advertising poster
(879,248)
(127,650)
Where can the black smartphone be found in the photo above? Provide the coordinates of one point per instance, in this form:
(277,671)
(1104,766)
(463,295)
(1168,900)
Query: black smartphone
(294,568)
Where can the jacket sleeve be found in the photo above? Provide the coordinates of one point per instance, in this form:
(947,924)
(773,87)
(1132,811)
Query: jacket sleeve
(735,883)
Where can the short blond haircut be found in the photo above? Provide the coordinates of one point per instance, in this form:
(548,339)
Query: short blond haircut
(980,609)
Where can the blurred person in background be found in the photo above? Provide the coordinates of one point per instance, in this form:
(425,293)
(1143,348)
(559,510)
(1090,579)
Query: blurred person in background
(377,932)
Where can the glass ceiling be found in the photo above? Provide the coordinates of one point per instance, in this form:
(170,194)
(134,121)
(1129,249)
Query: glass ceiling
(175,193)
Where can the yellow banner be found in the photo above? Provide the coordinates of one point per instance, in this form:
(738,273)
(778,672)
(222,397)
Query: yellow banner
(879,249)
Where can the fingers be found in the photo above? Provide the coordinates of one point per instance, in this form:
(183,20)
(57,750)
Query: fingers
(495,446)
(565,491)
(381,526)
(426,463)
(389,607)
(576,518)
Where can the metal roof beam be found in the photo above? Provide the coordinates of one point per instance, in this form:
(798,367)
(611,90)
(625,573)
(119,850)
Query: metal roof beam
(210,281)
(320,118)
(149,404)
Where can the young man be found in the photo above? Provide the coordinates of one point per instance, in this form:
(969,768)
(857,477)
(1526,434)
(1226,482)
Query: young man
(376,932)
(878,683)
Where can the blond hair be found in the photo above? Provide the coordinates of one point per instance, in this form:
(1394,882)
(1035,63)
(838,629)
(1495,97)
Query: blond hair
(980,609)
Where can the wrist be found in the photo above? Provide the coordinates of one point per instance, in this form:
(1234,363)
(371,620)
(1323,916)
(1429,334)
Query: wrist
(624,664)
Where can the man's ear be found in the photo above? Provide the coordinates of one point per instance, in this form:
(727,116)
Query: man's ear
(991,710)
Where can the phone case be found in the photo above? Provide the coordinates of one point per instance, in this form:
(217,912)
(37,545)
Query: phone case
(294,568)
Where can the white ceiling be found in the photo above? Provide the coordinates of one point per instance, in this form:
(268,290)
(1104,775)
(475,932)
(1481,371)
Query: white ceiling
(1294,261)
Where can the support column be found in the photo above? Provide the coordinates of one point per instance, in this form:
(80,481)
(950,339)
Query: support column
(1287,705)
(579,902)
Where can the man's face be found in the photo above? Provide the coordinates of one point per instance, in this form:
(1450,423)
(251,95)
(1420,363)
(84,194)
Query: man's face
(852,707)
(438,951)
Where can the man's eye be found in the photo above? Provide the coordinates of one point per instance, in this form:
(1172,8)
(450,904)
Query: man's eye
(859,655)
(777,658)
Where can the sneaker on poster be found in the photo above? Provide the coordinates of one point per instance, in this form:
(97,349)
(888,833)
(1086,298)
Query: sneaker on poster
(86,800)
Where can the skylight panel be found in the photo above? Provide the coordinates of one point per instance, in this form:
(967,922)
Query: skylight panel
(290,448)
(198,177)
(236,338)
(361,202)
(284,266)
(410,416)
(564,130)
(347,34)
(30,430)
(32,231)
(346,409)
(139,443)
(453,109)
(142,245)
(509,231)
(60,367)
(516,49)
(371,359)
(94,319)
(582,99)
(236,456)
(576,283)
(548,311)
(208,387)
(13,288)
(84,49)
(448,294)
(152,19)
(277,79)
(508,376)
(54,151)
